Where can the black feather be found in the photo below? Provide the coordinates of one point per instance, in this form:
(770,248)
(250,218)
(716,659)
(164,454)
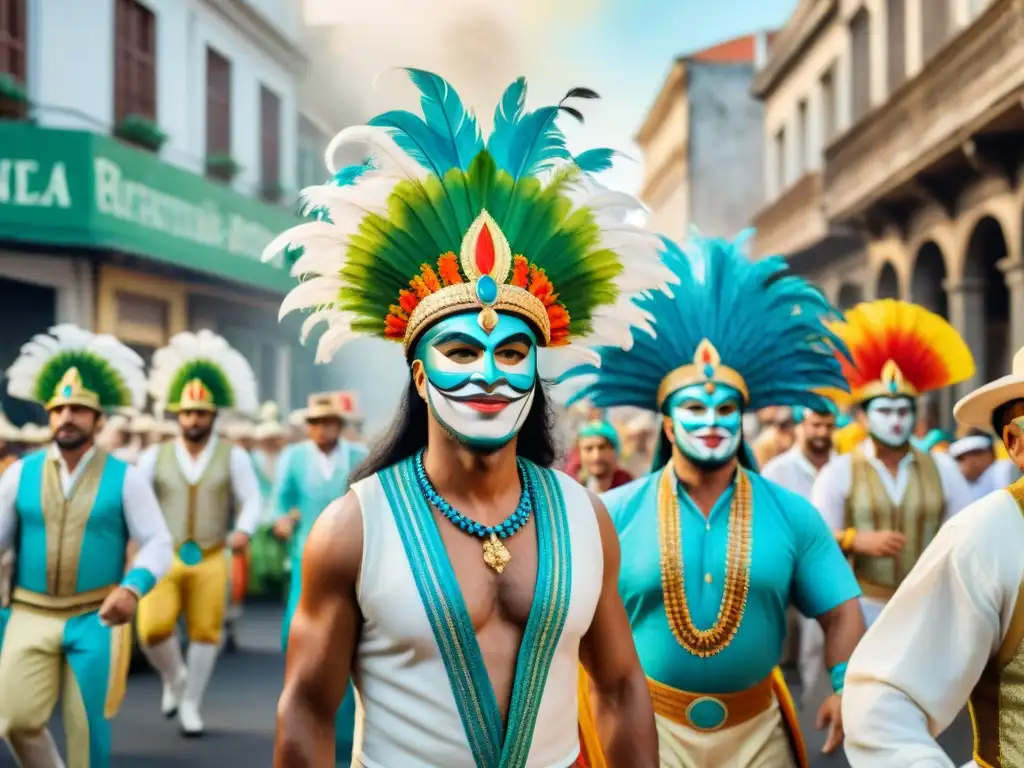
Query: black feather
(581,93)
(570,110)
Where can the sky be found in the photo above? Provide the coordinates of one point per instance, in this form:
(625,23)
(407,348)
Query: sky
(623,49)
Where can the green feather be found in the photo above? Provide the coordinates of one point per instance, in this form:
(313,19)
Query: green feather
(97,375)
(213,378)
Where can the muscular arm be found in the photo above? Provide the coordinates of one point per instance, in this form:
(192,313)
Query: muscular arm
(619,694)
(323,638)
(843,627)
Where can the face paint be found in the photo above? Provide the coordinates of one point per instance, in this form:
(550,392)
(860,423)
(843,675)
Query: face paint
(480,386)
(891,420)
(707,426)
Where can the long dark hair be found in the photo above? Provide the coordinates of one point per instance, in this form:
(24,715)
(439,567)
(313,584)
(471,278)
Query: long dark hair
(408,434)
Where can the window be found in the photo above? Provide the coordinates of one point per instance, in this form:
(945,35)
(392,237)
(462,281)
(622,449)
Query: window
(12,39)
(134,61)
(803,149)
(860,65)
(935,27)
(312,144)
(270,143)
(828,105)
(218,104)
(896,34)
(780,161)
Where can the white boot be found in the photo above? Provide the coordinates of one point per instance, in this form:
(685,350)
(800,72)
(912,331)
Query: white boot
(35,750)
(165,658)
(201,659)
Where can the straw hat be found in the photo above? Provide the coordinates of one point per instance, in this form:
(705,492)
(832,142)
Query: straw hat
(976,409)
(35,434)
(166,428)
(142,424)
(239,430)
(267,430)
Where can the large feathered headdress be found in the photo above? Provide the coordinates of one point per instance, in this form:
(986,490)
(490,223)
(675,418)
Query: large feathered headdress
(437,221)
(72,366)
(201,371)
(897,348)
(749,325)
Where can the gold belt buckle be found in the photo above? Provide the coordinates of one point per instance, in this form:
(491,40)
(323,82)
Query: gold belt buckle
(704,710)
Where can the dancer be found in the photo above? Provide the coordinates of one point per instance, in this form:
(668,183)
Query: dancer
(706,534)
(311,476)
(484,263)
(196,478)
(954,631)
(68,512)
(886,500)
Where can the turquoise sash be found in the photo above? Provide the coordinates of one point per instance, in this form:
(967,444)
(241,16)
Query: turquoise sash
(493,745)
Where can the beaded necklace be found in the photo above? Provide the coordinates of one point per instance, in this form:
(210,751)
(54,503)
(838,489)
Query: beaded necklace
(496,554)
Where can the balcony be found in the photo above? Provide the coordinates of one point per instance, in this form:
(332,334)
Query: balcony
(959,114)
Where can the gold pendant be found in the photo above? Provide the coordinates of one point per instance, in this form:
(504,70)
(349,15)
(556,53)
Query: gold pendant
(496,554)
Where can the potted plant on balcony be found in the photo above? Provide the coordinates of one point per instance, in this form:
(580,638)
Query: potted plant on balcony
(272,192)
(140,131)
(13,98)
(222,167)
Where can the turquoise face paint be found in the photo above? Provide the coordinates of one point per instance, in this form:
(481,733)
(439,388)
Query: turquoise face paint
(707,426)
(480,386)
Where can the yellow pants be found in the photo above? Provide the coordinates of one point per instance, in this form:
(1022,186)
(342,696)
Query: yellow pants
(47,651)
(198,591)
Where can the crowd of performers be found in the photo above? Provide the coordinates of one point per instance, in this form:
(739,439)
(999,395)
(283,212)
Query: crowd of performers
(457,602)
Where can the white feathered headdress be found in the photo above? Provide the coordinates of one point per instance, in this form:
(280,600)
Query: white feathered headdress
(202,371)
(437,222)
(73,366)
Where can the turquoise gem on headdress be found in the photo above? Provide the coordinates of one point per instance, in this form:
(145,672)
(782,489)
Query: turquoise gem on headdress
(709,371)
(66,392)
(486,290)
(892,387)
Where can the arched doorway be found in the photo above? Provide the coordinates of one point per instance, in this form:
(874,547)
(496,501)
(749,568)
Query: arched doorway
(888,282)
(927,288)
(850,294)
(988,301)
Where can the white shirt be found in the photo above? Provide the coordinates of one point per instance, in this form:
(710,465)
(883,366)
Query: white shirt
(327,462)
(911,675)
(245,486)
(793,471)
(142,515)
(999,474)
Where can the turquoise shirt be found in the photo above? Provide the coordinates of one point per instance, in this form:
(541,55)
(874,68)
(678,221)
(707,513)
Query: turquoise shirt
(794,558)
(101,560)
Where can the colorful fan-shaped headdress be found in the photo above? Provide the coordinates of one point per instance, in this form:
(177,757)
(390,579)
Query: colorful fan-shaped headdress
(437,222)
(897,348)
(201,371)
(72,366)
(730,321)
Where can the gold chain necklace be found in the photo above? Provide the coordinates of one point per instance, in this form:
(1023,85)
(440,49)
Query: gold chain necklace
(705,642)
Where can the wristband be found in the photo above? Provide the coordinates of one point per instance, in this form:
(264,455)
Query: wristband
(846,541)
(838,676)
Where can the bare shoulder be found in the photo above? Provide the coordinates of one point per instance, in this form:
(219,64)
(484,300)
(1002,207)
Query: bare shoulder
(335,544)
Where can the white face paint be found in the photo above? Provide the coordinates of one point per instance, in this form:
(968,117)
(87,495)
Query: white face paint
(891,420)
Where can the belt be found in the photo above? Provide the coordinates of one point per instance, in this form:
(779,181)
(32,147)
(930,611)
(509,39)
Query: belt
(709,712)
(82,601)
(874,590)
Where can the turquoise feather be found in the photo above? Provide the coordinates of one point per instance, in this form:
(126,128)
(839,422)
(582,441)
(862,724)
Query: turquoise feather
(595,160)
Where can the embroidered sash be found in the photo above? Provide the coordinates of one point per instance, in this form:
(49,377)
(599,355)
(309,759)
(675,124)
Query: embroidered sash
(491,744)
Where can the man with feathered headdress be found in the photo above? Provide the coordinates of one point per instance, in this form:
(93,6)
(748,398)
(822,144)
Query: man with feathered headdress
(68,512)
(197,479)
(886,499)
(953,633)
(487,262)
(709,612)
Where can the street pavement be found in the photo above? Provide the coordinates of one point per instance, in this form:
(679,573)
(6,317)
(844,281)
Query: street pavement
(239,713)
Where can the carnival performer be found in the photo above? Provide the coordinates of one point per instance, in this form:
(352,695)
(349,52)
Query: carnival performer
(975,454)
(311,475)
(795,470)
(954,631)
(485,261)
(598,446)
(196,478)
(68,513)
(712,552)
(886,499)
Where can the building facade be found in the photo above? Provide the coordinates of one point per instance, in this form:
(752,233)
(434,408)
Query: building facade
(701,142)
(149,150)
(913,150)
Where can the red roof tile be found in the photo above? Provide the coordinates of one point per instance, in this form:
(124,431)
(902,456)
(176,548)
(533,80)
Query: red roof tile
(739,50)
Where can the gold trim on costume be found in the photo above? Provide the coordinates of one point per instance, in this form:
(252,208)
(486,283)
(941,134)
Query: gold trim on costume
(83,600)
(737,707)
(120,662)
(706,369)
(70,390)
(461,297)
(195,396)
(705,642)
(891,383)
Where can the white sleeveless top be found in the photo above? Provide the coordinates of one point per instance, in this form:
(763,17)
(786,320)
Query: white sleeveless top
(407,716)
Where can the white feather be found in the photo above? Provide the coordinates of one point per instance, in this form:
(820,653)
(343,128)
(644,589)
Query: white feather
(312,234)
(186,348)
(385,155)
(315,293)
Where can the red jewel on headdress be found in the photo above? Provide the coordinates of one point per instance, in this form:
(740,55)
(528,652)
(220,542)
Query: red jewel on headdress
(485,251)
(705,356)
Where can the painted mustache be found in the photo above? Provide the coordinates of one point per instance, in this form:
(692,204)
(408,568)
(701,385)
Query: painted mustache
(475,380)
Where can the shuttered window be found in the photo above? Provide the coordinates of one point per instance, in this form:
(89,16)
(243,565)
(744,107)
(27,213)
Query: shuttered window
(270,142)
(218,104)
(134,60)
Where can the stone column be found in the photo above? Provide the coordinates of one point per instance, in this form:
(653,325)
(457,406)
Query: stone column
(966,302)
(1013,273)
